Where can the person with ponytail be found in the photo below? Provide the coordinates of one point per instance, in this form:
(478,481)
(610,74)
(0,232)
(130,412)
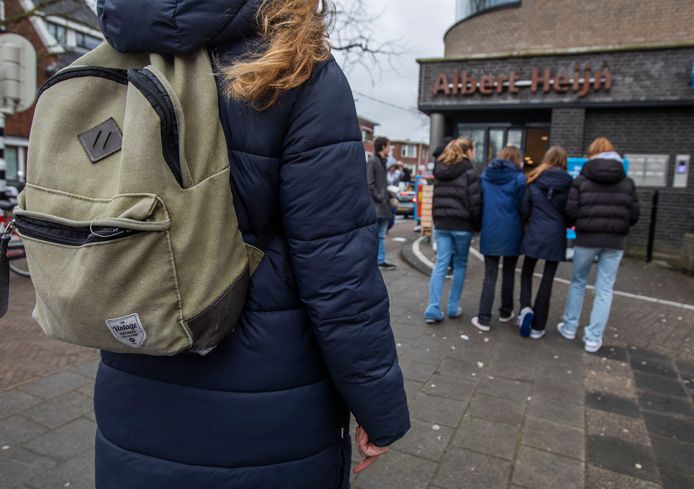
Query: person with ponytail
(270,406)
(545,237)
(457,208)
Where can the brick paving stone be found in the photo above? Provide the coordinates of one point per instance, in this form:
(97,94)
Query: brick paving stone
(67,441)
(571,393)
(602,423)
(60,410)
(496,409)
(13,401)
(597,478)
(678,429)
(620,456)
(659,384)
(618,353)
(426,440)
(464,370)
(571,374)
(463,468)
(488,437)
(76,473)
(87,390)
(676,480)
(514,371)
(537,469)
(552,437)
(420,355)
(601,365)
(514,390)
(665,404)
(17,429)
(612,404)
(87,369)
(624,387)
(652,363)
(55,385)
(18,465)
(557,411)
(673,455)
(437,410)
(398,470)
(412,388)
(450,387)
(409,331)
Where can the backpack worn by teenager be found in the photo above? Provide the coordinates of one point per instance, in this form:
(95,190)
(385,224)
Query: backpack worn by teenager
(127,216)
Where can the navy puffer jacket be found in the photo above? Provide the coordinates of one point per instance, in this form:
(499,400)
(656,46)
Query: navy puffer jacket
(503,186)
(268,408)
(543,209)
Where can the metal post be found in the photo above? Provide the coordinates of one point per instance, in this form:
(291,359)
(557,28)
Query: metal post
(651,230)
(3,165)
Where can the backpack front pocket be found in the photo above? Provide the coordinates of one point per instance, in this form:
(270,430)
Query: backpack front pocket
(118,287)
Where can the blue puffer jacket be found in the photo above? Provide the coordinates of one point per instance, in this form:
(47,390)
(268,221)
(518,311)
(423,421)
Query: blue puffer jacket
(268,409)
(543,209)
(503,186)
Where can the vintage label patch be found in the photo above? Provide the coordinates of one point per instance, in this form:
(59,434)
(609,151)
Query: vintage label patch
(128,330)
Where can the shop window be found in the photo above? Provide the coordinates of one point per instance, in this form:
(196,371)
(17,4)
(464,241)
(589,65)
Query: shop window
(468,8)
(648,170)
(11,163)
(366,135)
(86,41)
(408,151)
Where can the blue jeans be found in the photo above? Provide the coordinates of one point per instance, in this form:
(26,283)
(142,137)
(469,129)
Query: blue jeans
(382,230)
(456,243)
(608,265)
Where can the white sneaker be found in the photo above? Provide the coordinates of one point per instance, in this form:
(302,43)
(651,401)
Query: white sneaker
(564,333)
(506,319)
(476,323)
(536,334)
(592,346)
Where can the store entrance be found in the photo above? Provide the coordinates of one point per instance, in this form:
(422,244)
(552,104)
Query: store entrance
(491,131)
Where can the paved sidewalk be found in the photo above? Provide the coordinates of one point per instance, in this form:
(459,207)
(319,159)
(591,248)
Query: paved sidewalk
(492,411)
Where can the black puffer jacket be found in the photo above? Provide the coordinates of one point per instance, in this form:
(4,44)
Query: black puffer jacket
(603,203)
(457,197)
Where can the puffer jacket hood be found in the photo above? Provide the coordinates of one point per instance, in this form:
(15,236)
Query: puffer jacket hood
(451,172)
(500,172)
(604,170)
(175,26)
(554,180)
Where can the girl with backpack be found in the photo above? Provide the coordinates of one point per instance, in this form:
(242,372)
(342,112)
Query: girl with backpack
(456,210)
(545,237)
(503,186)
(270,406)
(603,204)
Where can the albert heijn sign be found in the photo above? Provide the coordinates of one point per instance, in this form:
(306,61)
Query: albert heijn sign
(580,81)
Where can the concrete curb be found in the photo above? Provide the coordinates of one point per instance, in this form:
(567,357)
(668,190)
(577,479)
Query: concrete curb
(407,253)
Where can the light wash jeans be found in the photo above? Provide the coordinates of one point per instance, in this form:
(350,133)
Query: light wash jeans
(382,230)
(447,243)
(608,265)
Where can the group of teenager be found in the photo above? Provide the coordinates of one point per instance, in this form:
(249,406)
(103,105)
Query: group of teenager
(528,214)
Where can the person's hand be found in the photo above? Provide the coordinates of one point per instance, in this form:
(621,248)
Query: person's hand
(369,451)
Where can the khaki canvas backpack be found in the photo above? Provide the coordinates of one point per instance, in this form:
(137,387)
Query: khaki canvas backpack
(127,216)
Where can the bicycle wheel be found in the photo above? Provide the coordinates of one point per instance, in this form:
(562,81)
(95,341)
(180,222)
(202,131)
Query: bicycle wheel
(20,267)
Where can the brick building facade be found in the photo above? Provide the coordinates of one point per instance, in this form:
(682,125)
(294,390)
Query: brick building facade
(411,153)
(626,74)
(368,131)
(60,32)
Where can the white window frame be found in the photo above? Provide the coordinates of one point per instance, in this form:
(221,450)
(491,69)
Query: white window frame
(649,170)
(408,151)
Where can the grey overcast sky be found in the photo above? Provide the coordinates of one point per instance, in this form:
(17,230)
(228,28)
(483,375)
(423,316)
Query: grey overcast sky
(420,26)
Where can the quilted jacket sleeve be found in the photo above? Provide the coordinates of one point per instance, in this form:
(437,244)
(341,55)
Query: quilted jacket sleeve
(330,224)
(574,201)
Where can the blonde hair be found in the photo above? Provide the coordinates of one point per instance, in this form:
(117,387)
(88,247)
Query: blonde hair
(555,157)
(599,145)
(456,151)
(511,153)
(294,33)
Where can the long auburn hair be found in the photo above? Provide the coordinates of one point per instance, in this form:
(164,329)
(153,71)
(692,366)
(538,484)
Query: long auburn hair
(599,145)
(457,150)
(294,34)
(555,157)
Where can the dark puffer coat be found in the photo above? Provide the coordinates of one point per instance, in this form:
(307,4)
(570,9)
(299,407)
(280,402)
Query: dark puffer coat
(503,186)
(377,176)
(543,209)
(603,204)
(268,408)
(457,202)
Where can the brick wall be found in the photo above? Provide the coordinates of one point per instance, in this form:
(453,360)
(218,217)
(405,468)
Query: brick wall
(557,24)
(652,131)
(567,130)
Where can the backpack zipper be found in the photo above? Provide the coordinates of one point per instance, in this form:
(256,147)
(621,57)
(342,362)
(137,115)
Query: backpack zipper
(69,235)
(113,74)
(155,93)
